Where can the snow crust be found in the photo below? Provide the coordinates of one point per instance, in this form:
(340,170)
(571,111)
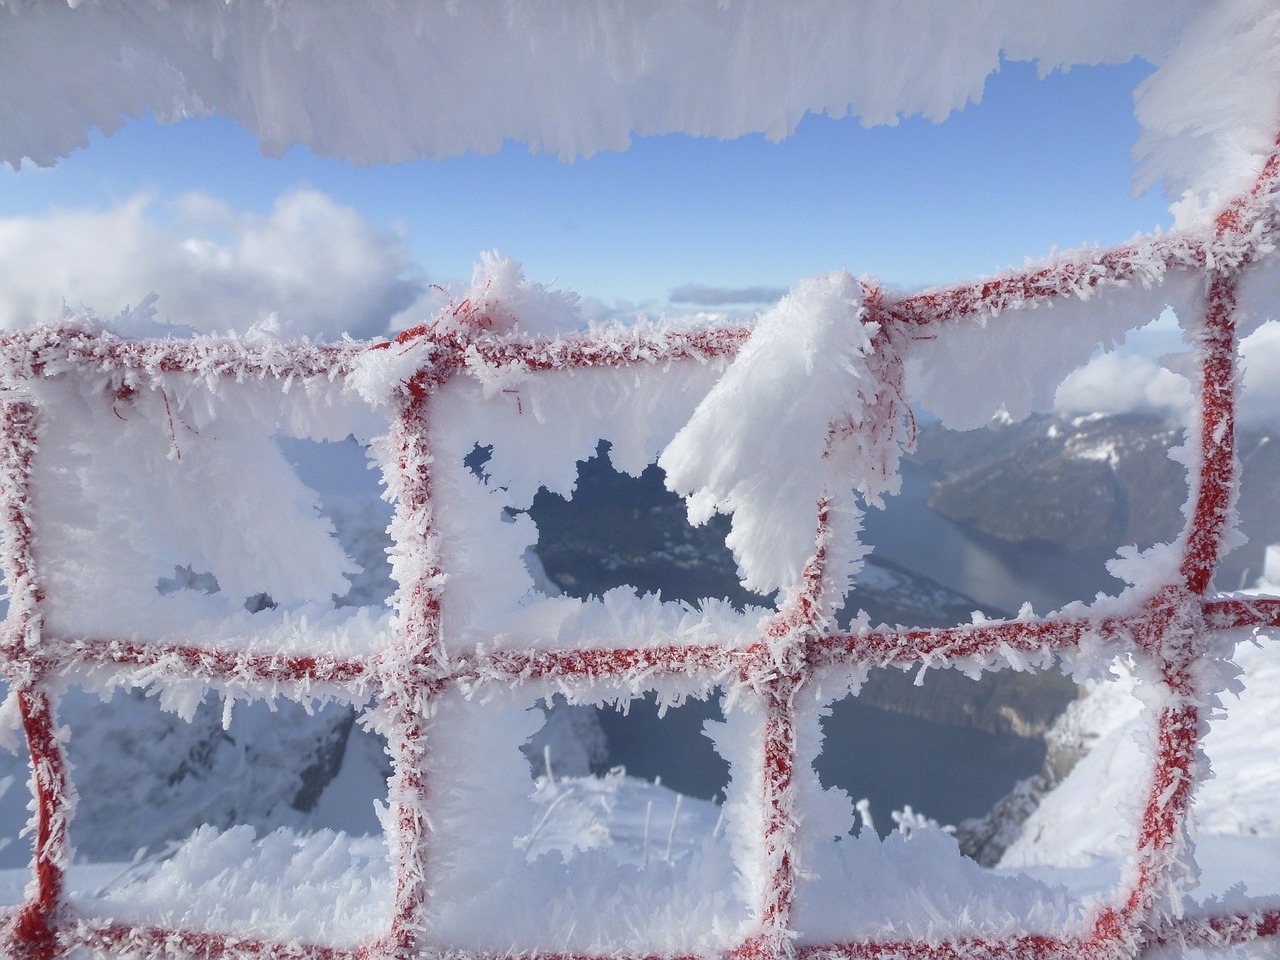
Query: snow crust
(321,886)
(166,504)
(1081,831)
(1107,722)
(912,884)
(1210,113)
(497,890)
(750,448)
(389,83)
(1013,363)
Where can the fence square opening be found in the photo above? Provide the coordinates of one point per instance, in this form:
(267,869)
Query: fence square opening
(668,746)
(528,503)
(184,824)
(15,848)
(344,475)
(922,807)
(1258,448)
(1098,768)
(548,861)
(167,513)
(618,530)
(950,749)
(1237,825)
(1017,512)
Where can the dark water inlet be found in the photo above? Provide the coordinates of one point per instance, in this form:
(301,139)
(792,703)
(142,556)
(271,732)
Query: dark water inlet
(891,753)
(945,771)
(942,770)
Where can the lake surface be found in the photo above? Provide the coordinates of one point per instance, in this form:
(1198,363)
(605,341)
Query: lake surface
(913,535)
(946,771)
(942,770)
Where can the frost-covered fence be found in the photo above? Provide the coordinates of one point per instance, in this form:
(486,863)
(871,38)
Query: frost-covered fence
(774,424)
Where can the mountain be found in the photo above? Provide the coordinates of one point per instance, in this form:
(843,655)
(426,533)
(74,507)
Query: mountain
(620,530)
(1085,485)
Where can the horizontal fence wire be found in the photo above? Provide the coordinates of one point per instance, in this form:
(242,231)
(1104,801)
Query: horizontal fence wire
(794,643)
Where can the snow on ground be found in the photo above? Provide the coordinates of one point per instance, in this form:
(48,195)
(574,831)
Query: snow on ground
(912,882)
(597,838)
(1080,833)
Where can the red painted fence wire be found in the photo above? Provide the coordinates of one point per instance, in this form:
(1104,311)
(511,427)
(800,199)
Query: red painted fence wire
(794,643)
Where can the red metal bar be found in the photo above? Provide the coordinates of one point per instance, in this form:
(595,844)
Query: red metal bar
(1237,612)
(1219,931)
(962,948)
(1041,283)
(18,443)
(1168,800)
(407,797)
(880,648)
(46,351)
(460,954)
(38,921)
(779,671)
(35,927)
(210,664)
(411,684)
(1215,485)
(781,822)
(593,664)
(161,942)
(883,648)
(573,351)
(419,600)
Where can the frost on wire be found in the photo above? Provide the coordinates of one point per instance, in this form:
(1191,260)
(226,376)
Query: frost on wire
(121,457)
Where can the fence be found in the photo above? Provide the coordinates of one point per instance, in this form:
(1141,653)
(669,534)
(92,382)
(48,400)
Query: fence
(1168,634)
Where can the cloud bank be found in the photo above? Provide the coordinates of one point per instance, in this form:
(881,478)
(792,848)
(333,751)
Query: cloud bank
(1123,383)
(703,296)
(1116,383)
(312,266)
(1260,394)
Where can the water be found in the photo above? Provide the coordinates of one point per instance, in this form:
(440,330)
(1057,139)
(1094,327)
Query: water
(911,534)
(671,747)
(942,770)
(947,771)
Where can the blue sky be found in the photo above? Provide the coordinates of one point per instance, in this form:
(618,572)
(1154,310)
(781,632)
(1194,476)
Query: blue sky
(1038,163)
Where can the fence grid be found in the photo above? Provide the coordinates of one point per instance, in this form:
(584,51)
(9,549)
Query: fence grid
(793,644)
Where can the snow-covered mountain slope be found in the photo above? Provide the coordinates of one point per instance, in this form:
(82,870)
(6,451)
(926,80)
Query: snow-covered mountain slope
(1081,821)
(1085,485)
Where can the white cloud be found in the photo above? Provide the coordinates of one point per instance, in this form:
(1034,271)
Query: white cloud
(1120,383)
(1260,398)
(701,295)
(319,266)
(1124,382)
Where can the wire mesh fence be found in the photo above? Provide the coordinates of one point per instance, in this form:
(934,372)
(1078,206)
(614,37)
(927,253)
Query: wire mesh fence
(416,667)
